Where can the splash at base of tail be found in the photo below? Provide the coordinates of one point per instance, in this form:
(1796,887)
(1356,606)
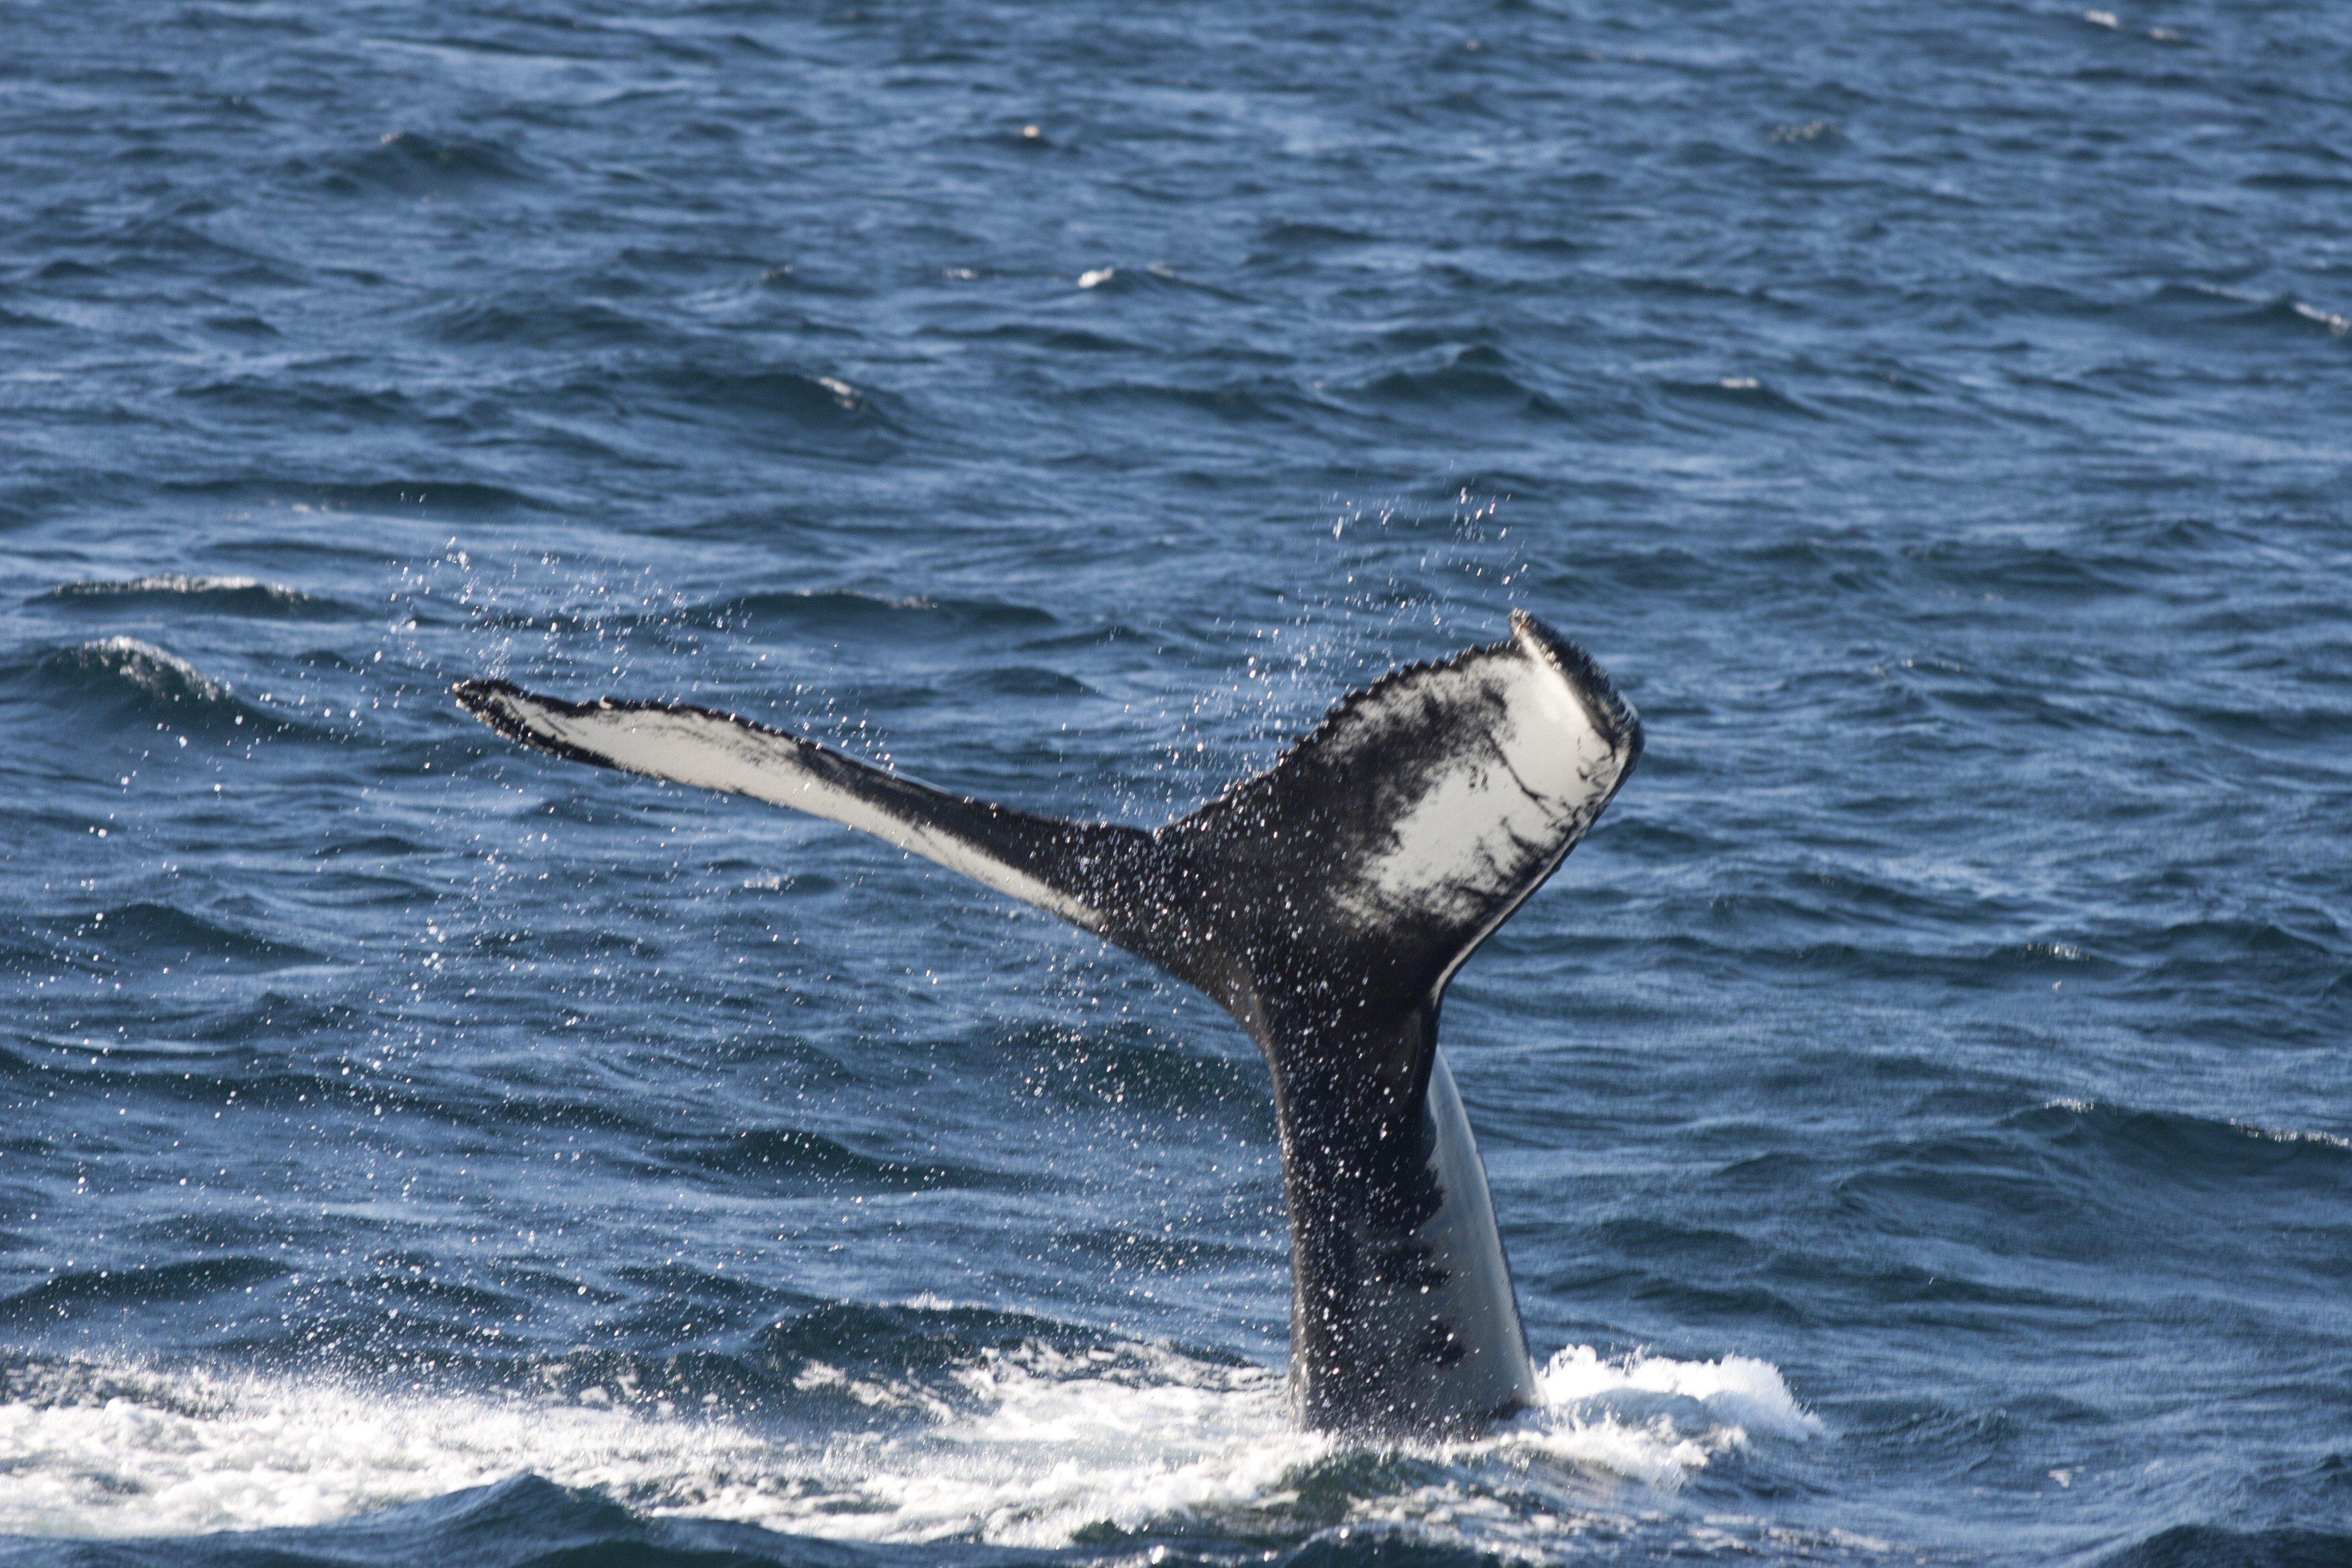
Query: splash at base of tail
(1325,903)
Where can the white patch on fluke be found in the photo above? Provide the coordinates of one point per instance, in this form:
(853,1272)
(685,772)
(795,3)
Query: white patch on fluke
(1489,812)
(706,750)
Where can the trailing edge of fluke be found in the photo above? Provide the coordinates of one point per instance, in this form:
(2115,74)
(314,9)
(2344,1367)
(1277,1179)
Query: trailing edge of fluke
(1325,903)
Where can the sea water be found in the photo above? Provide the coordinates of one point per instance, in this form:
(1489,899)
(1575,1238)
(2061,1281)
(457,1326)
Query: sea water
(1917,1116)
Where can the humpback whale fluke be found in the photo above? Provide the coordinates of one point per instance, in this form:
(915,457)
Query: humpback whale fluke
(1325,903)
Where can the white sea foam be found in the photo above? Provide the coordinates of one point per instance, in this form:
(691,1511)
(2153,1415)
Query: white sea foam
(1034,1447)
(1656,1420)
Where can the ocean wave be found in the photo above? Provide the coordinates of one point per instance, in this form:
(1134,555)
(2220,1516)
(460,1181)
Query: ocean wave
(1235,400)
(1298,235)
(411,161)
(83,1293)
(226,595)
(819,414)
(1023,1442)
(431,496)
(817,611)
(123,662)
(805,614)
(19,320)
(1473,377)
(2205,309)
(1148,279)
(308,390)
(2174,1147)
(1743,393)
(147,932)
(541,323)
(1020,680)
(1057,337)
(2031,570)
(2095,1184)
(766,1157)
(2219,1546)
(136,681)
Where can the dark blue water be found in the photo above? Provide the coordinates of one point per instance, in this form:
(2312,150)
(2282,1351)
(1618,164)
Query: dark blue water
(1918,1116)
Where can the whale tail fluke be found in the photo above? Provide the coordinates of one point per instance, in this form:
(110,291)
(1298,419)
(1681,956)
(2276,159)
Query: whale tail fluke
(1352,876)
(1325,902)
(1069,868)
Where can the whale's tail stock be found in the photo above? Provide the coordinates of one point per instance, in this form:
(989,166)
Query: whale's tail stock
(1325,903)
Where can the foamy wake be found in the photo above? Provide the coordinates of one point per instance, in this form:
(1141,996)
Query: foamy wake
(1041,1445)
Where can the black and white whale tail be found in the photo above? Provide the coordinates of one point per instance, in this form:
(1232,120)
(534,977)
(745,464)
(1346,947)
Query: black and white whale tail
(1325,903)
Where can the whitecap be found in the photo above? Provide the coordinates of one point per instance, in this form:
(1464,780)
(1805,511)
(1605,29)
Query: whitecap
(171,582)
(1733,1396)
(149,668)
(274,595)
(2337,325)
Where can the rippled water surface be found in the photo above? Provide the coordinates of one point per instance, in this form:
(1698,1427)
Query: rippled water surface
(1918,1116)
